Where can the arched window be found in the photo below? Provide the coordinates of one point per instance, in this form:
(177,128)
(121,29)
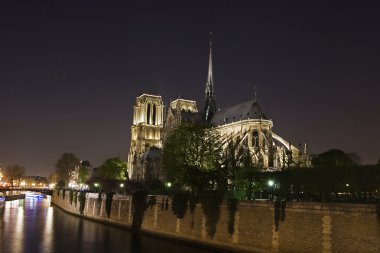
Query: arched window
(255,139)
(148,114)
(154,115)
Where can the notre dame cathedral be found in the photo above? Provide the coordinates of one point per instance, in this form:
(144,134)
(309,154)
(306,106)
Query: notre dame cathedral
(246,121)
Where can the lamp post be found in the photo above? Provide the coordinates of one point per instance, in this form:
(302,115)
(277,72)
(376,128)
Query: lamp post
(97,185)
(348,190)
(168,185)
(271,186)
(121,185)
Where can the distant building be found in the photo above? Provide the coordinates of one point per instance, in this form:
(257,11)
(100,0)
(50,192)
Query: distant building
(245,122)
(74,175)
(2,182)
(31,182)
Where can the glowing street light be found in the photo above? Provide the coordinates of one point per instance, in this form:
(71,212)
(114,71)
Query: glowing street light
(271,185)
(168,184)
(121,185)
(96,185)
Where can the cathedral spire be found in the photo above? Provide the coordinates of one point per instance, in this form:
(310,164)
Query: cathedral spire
(210,106)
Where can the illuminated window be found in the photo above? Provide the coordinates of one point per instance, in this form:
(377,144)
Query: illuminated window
(255,139)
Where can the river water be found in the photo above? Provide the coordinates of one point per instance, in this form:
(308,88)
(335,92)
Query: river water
(33,226)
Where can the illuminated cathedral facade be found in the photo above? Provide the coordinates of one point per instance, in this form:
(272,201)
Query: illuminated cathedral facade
(245,122)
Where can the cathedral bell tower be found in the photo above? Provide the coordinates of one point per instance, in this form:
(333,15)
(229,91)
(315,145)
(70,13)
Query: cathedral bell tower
(148,115)
(210,106)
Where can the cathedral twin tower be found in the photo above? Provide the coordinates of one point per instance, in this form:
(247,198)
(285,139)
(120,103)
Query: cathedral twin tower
(245,121)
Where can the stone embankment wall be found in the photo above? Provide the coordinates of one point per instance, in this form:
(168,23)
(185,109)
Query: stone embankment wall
(257,226)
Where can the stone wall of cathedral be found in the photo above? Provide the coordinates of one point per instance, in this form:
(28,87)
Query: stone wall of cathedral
(254,133)
(268,149)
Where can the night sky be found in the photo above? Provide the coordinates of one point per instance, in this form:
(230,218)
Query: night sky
(70,72)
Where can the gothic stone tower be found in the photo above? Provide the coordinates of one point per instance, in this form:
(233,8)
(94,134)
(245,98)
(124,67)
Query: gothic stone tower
(145,131)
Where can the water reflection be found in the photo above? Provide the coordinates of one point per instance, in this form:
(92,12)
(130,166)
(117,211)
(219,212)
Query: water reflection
(19,230)
(48,232)
(33,226)
(12,226)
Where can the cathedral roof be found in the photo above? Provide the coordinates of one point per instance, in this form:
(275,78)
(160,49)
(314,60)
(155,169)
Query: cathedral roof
(188,116)
(246,110)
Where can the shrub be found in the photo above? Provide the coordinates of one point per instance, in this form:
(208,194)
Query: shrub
(193,201)
(179,204)
(211,201)
(71,196)
(109,197)
(82,201)
(232,204)
(139,207)
(75,199)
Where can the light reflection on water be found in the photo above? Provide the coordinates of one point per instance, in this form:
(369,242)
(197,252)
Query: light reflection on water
(33,226)
(19,230)
(48,234)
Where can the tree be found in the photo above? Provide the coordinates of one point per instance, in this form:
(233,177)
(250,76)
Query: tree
(247,175)
(83,175)
(110,174)
(238,167)
(113,169)
(65,165)
(231,163)
(191,156)
(335,158)
(53,179)
(14,172)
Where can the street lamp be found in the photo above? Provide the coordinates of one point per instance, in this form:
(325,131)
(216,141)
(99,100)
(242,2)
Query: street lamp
(121,185)
(271,185)
(97,185)
(169,184)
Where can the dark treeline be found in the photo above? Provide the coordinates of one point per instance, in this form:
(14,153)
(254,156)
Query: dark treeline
(197,159)
(198,162)
(359,183)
